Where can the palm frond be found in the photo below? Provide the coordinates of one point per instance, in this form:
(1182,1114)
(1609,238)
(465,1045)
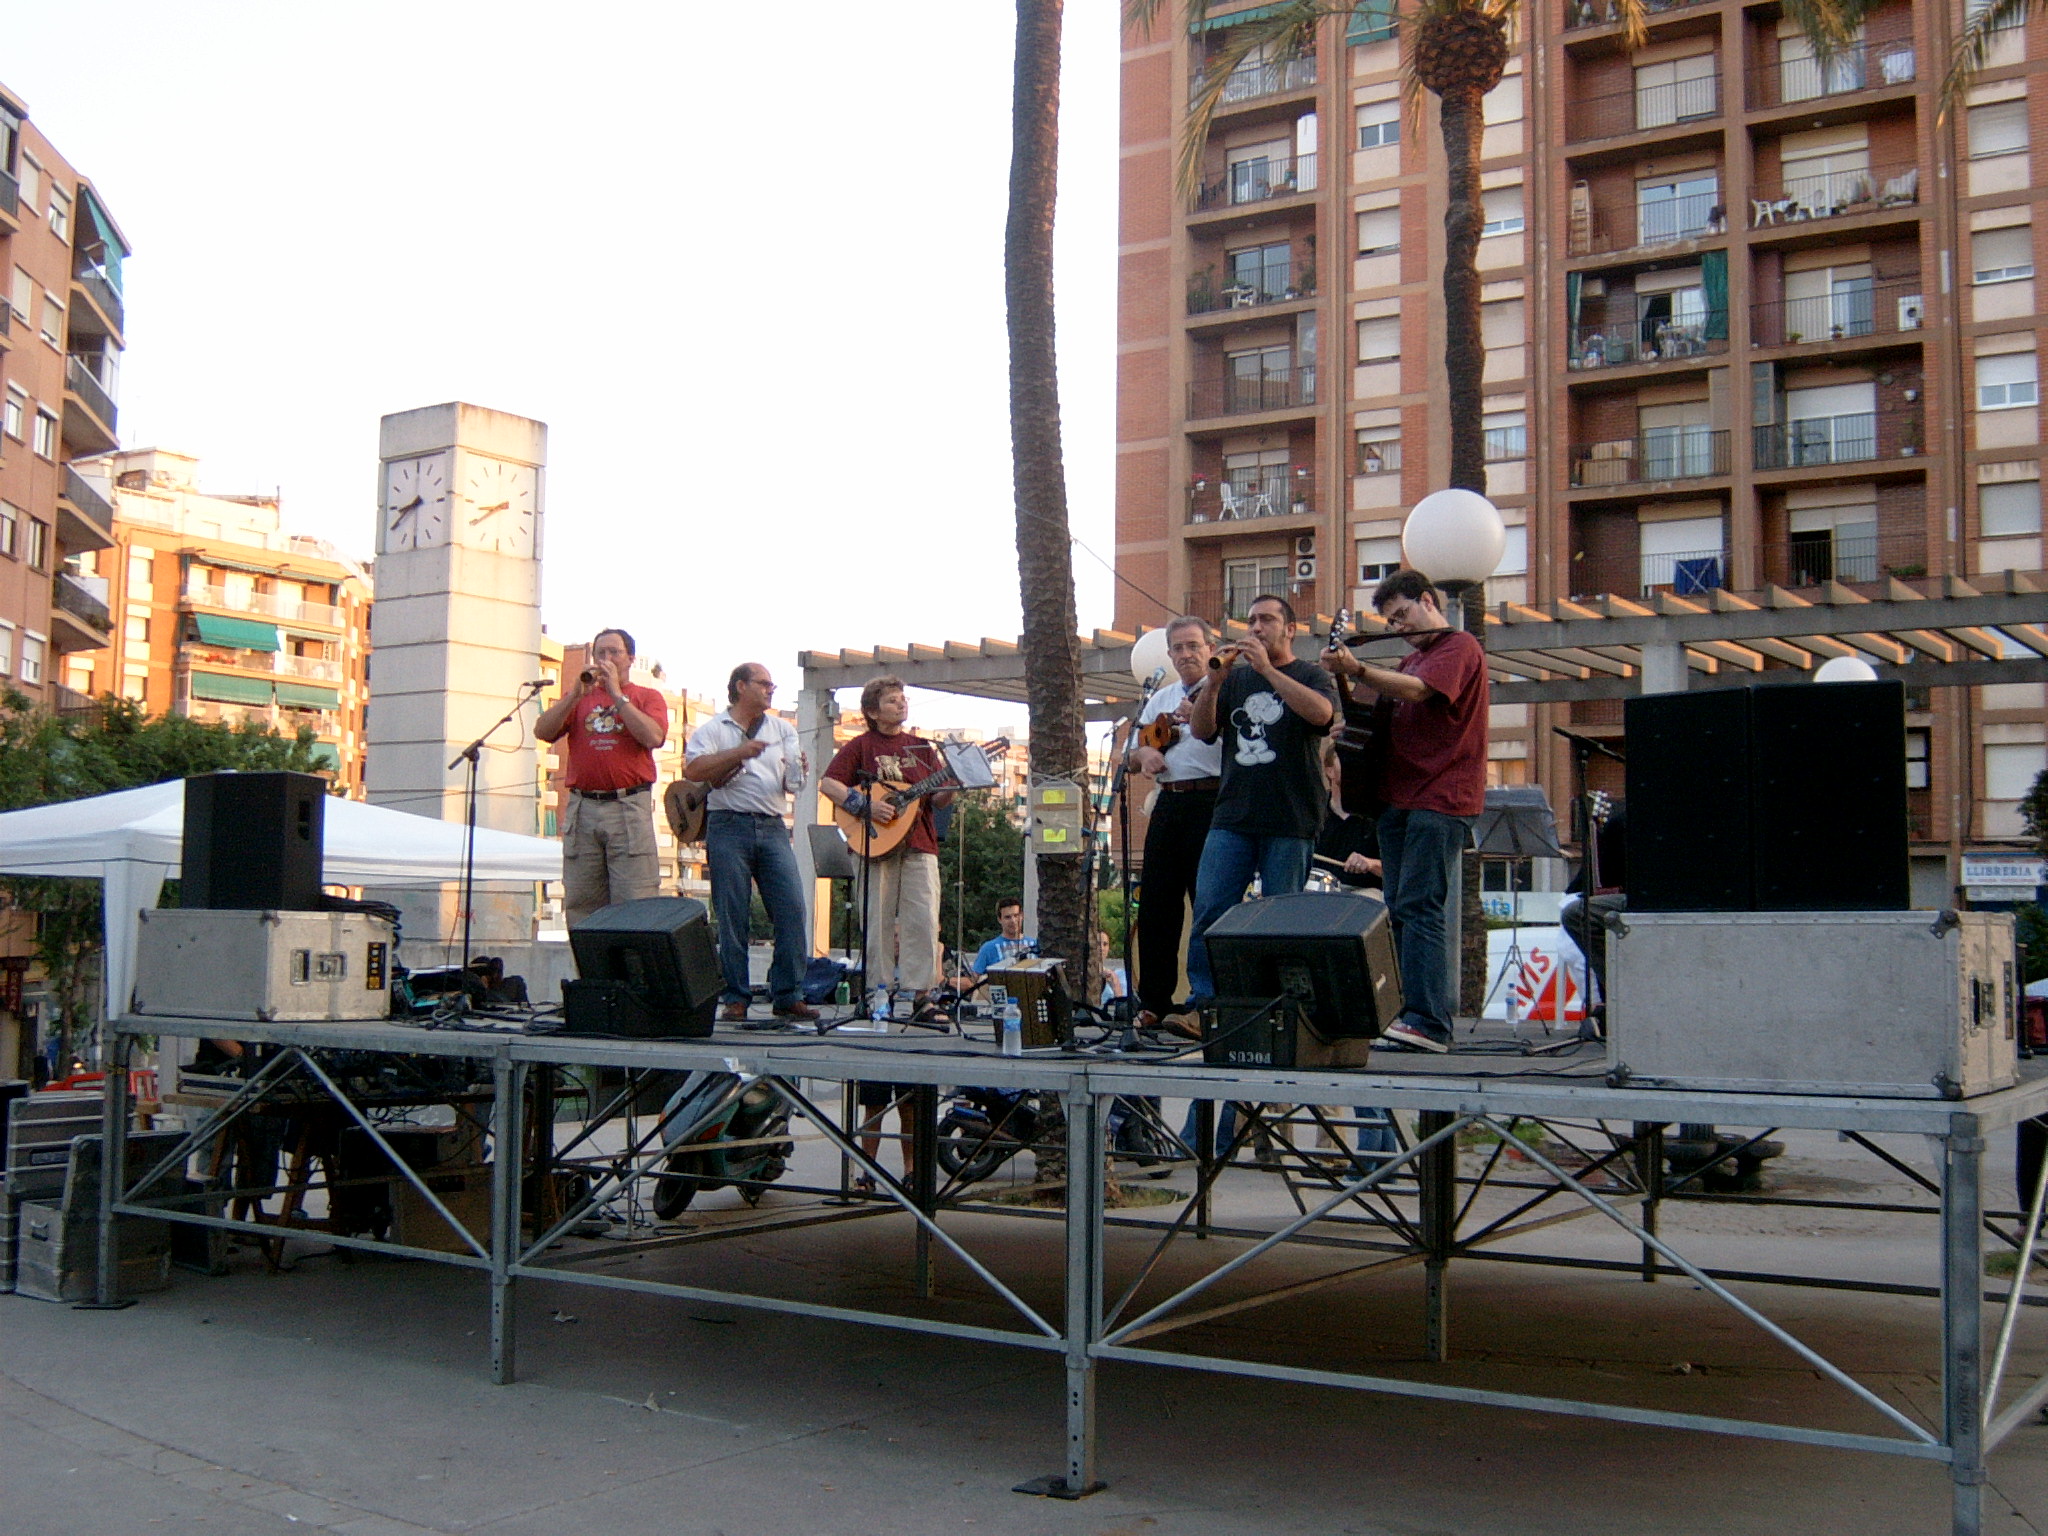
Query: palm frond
(1142,15)
(1973,48)
(1291,30)
(1829,25)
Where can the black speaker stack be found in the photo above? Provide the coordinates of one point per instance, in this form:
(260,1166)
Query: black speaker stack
(253,841)
(1784,798)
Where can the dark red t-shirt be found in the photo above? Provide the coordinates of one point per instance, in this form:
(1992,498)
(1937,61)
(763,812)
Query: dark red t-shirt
(899,759)
(602,752)
(1436,749)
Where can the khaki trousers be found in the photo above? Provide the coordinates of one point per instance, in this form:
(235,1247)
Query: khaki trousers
(903,921)
(608,853)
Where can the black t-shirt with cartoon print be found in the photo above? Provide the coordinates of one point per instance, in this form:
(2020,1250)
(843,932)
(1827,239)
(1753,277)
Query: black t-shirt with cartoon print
(1272,769)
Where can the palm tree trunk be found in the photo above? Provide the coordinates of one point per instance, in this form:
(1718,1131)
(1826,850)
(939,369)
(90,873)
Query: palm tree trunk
(1464,348)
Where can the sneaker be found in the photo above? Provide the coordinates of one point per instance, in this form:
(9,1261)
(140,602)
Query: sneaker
(1412,1037)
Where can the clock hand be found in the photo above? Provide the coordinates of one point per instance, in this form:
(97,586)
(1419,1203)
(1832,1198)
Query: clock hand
(407,510)
(487,511)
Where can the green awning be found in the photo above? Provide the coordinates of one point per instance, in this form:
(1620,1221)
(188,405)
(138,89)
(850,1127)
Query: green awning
(1372,21)
(308,696)
(241,634)
(224,689)
(102,238)
(327,755)
(1237,18)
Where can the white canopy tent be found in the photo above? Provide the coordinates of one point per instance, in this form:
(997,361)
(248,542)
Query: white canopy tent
(133,840)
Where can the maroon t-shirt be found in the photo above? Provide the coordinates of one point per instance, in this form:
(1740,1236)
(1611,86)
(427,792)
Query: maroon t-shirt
(899,759)
(603,754)
(1436,749)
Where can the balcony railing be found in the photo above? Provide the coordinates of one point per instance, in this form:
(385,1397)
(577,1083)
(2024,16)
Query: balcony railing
(307,666)
(79,492)
(1258,181)
(1275,389)
(6,318)
(1218,604)
(1852,438)
(1691,573)
(82,381)
(265,603)
(1602,13)
(10,195)
(213,713)
(84,598)
(1647,341)
(1682,453)
(1252,82)
(1860,67)
(1846,314)
(95,283)
(1830,194)
(1640,224)
(1279,493)
(1269,285)
(276,662)
(1808,560)
(1644,108)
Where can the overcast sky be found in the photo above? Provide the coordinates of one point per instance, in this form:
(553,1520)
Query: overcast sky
(745,261)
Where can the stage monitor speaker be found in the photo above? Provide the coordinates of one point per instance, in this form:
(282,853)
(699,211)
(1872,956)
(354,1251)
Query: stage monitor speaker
(662,961)
(1689,841)
(1333,951)
(253,841)
(1828,803)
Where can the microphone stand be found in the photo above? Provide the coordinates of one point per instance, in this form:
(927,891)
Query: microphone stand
(1120,790)
(473,755)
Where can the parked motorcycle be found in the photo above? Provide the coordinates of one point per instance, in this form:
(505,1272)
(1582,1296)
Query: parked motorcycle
(983,1128)
(721,1129)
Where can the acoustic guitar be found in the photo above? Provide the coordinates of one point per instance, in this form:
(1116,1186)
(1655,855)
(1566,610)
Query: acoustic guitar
(879,839)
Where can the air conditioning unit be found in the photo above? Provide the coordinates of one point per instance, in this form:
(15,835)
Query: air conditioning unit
(1304,544)
(1593,288)
(1911,312)
(1305,568)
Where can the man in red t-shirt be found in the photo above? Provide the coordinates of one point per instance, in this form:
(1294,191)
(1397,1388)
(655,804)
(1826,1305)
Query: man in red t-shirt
(613,727)
(1434,785)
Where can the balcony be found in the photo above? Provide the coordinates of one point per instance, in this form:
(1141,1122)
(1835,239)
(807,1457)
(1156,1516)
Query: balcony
(1860,67)
(78,613)
(1269,285)
(89,417)
(1692,573)
(6,325)
(1257,181)
(10,203)
(84,520)
(1275,493)
(1604,13)
(1247,394)
(1854,438)
(1637,224)
(1644,109)
(1813,559)
(1847,314)
(264,603)
(94,284)
(1255,82)
(1798,198)
(235,715)
(1647,341)
(277,663)
(1682,453)
(317,667)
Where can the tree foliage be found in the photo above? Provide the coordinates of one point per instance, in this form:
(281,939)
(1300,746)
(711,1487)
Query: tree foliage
(981,863)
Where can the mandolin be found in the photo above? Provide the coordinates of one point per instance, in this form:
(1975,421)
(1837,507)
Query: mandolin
(880,839)
(1162,733)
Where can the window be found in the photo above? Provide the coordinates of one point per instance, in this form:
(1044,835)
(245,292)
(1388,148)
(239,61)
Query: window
(1514,552)
(2003,255)
(1919,754)
(2009,510)
(39,544)
(136,628)
(1379,231)
(2007,382)
(1831,302)
(1379,124)
(33,649)
(1677,90)
(2010,771)
(10,529)
(1379,341)
(46,434)
(1682,554)
(1801,76)
(60,213)
(1378,559)
(1683,209)
(1259,484)
(1507,434)
(23,295)
(1261,274)
(1502,210)
(53,320)
(6,648)
(1502,104)
(1244,581)
(1998,128)
(1379,450)
(1263,380)
(141,570)
(1833,543)
(13,413)
(31,183)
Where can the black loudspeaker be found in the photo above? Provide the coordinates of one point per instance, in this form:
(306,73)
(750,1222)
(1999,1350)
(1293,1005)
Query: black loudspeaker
(1332,951)
(649,967)
(1829,801)
(253,841)
(1689,845)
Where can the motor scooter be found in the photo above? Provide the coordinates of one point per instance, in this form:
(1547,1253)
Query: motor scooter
(721,1128)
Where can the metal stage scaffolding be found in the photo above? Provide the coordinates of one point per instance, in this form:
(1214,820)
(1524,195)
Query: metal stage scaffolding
(1599,1156)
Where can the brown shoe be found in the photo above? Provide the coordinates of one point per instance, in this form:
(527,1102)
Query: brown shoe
(1188,1023)
(733,1013)
(797,1012)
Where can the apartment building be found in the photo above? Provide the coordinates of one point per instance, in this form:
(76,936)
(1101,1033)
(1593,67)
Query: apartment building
(60,348)
(219,614)
(1752,320)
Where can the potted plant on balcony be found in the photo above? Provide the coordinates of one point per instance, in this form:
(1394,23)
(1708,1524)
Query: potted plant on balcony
(1202,291)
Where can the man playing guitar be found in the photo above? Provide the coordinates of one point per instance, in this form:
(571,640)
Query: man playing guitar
(1188,773)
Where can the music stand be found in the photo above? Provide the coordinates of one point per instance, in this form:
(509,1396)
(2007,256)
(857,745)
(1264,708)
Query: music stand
(831,859)
(1516,824)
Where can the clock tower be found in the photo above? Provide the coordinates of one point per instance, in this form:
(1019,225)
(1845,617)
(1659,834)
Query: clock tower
(455,637)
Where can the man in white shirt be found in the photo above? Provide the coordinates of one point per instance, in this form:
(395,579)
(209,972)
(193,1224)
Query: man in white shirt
(1188,773)
(753,762)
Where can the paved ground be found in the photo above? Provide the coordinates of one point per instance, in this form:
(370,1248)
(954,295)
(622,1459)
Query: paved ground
(353,1398)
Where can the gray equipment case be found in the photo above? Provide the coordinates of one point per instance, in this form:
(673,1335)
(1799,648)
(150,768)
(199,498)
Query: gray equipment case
(217,963)
(1916,1005)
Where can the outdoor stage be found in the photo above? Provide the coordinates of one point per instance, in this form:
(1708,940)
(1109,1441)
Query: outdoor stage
(1598,1156)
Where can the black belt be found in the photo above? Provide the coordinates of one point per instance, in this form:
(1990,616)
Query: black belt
(614,794)
(1189,786)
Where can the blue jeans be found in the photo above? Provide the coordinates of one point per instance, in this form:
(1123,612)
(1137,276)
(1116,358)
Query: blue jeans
(1229,860)
(745,851)
(1420,851)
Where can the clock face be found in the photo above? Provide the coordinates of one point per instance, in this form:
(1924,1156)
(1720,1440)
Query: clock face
(415,514)
(499,507)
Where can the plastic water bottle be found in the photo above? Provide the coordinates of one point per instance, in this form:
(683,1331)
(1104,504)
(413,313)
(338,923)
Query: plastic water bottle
(878,1005)
(1013,1028)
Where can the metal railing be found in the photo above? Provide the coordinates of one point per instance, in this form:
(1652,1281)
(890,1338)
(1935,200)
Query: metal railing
(1258,181)
(1687,574)
(10,194)
(79,492)
(277,663)
(203,596)
(211,712)
(95,283)
(1605,13)
(1638,224)
(1863,309)
(82,381)
(1241,394)
(1253,82)
(1645,108)
(1859,67)
(1646,341)
(1269,285)
(1796,198)
(1272,493)
(6,318)
(318,667)
(1850,438)
(1808,560)
(1681,453)
(84,598)
(1220,603)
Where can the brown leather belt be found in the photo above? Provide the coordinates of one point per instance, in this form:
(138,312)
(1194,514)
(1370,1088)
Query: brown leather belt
(614,794)
(1189,786)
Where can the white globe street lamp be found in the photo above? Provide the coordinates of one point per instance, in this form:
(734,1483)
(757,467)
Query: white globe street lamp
(1149,656)
(1456,538)
(1845,669)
